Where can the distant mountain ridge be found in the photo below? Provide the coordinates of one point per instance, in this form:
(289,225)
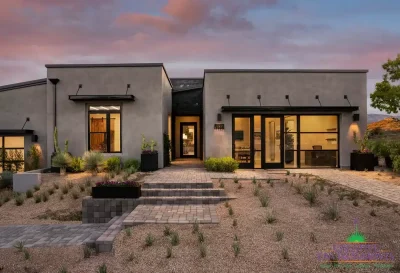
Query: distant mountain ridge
(377,117)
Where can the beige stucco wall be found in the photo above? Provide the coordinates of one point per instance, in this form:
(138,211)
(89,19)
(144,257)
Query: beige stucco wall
(178,121)
(18,104)
(244,87)
(147,115)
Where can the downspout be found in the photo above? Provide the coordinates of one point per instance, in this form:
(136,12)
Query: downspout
(55,81)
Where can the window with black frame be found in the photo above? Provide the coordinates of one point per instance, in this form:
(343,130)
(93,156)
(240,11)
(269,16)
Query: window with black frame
(105,129)
(319,141)
(12,153)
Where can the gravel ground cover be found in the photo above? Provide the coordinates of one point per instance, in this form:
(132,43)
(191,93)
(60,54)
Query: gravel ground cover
(244,241)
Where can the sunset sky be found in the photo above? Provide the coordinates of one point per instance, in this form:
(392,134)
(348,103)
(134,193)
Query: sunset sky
(189,36)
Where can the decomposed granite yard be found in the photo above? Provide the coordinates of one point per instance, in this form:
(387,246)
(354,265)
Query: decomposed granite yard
(286,224)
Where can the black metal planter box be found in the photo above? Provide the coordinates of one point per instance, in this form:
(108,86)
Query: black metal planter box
(149,162)
(362,161)
(116,192)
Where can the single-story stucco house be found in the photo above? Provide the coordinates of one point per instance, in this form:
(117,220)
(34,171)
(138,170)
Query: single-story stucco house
(263,118)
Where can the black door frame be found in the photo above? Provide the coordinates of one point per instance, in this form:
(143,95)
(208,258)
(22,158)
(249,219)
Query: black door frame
(194,124)
(251,117)
(263,135)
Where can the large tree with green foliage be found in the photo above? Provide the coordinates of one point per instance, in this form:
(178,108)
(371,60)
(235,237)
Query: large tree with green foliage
(386,96)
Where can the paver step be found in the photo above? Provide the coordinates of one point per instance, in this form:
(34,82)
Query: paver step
(182,200)
(177,185)
(172,214)
(183,192)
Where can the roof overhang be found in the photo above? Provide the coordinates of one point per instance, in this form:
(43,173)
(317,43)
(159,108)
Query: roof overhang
(13,132)
(84,98)
(289,109)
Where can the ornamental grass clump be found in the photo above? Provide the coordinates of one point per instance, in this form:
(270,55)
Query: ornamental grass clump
(331,212)
(175,240)
(167,231)
(264,200)
(310,194)
(93,161)
(203,250)
(149,241)
(19,200)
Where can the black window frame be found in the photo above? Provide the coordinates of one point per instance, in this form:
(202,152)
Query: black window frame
(108,130)
(4,162)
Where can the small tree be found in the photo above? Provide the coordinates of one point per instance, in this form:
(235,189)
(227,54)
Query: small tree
(386,96)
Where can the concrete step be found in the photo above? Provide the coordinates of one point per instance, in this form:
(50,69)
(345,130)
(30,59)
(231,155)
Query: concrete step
(177,185)
(183,192)
(183,200)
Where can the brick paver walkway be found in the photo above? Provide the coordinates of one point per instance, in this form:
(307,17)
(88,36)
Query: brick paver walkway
(50,235)
(172,214)
(380,189)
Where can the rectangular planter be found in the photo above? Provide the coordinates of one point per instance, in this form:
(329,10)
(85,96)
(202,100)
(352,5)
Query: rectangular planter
(362,161)
(149,162)
(116,192)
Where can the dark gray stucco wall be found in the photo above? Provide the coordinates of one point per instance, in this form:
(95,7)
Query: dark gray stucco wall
(243,89)
(18,104)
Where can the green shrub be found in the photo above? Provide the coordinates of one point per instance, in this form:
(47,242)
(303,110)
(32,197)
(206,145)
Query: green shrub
(37,198)
(130,170)
(203,250)
(34,155)
(36,187)
(113,164)
(29,194)
(175,238)
(332,212)
(19,200)
(50,191)
(77,164)
(6,179)
(223,164)
(62,160)
(132,163)
(93,161)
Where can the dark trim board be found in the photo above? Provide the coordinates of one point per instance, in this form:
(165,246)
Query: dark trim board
(15,132)
(289,109)
(84,98)
(194,124)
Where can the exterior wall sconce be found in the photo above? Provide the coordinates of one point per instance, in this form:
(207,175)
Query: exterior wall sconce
(228,97)
(317,98)
(35,138)
(356,117)
(79,88)
(127,88)
(219,127)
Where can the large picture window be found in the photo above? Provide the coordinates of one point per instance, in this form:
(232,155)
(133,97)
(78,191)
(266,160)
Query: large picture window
(319,141)
(105,129)
(11,153)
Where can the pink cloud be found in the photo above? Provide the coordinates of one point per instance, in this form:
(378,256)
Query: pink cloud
(180,16)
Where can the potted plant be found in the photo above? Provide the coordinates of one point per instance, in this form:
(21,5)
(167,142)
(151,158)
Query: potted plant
(115,189)
(362,159)
(149,156)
